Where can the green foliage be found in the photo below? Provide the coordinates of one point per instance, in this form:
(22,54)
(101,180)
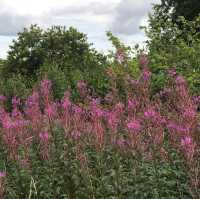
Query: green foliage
(26,54)
(108,174)
(59,79)
(16,85)
(65,56)
(56,45)
(187,8)
(172,47)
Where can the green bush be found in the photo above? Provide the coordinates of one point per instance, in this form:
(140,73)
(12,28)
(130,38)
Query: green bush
(172,47)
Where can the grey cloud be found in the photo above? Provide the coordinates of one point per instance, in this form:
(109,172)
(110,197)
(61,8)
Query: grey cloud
(129,14)
(96,8)
(125,16)
(10,23)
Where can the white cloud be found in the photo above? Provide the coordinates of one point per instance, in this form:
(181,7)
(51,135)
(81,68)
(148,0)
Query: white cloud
(130,14)
(92,17)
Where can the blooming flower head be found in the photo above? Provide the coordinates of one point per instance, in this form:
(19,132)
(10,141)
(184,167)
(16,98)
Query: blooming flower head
(45,87)
(196,99)
(186,141)
(189,113)
(143,60)
(120,56)
(2,174)
(119,107)
(97,112)
(7,122)
(180,80)
(51,110)
(176,127)
(44,136)
(188,147)
(150,113)
(82,88)
(2,98)
(146,74)
(77,110)
(132,104)
(134,125)
(76,134)
(33,100)
(66,103)
(172,72)
(15,101)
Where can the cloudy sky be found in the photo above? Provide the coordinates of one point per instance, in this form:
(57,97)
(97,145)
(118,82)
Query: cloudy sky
(93,17)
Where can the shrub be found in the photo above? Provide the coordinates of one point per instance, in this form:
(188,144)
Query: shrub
(56,51)
(140,146)
(173,45)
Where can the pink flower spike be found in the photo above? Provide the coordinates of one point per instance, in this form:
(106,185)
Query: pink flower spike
(188,147)
(186,141)
(131,104)
(15,101)
(146,74)
(3,98)
(180,80)
(134,125)
(172,72)
(143,60)
(2,174)
(51,110)
(44,136)
(149,113)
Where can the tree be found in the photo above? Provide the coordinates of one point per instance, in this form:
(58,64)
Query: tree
(37,51)
(26,54)
(56,45)
(187,8)
(173,47)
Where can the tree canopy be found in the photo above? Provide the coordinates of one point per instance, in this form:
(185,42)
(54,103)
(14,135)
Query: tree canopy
(35,47)
(187,8)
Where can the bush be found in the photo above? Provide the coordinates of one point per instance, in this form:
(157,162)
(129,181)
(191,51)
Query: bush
(56,51)
(139,146)
(173,47)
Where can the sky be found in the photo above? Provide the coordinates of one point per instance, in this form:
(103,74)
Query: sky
(93,17)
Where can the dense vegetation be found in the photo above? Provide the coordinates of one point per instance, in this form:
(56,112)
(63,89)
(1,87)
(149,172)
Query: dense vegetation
(75,123)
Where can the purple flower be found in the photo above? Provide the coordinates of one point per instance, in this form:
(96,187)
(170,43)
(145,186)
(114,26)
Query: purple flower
(51,110)
(150,113)
(15,101)
(180,80)
(143,60)
(96,109)
(77,110)
(178,128)
(134,125)
(146,74)
(186,141)
(82,88)
(134,82)
(75,134)
(189,113)
(2,174)
(44,136)
(45,87)
(132,104)
(120,56)
(188,147)
(172,72)
(66,103)
(33,100)
(2,98)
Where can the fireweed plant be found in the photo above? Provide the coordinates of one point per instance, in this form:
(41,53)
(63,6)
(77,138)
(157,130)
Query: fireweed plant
(137,146)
